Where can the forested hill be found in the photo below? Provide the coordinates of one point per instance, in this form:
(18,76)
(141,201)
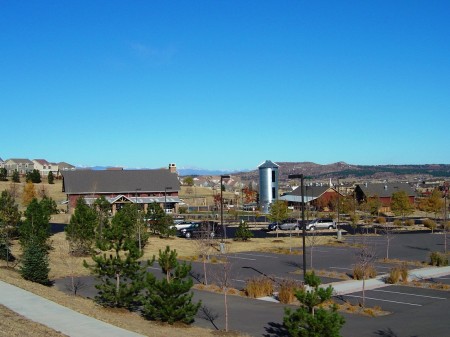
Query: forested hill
(357,172)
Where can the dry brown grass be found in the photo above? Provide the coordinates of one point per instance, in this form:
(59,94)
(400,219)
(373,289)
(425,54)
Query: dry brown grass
(52,190)
(15,325)
(259,286)
(122,318)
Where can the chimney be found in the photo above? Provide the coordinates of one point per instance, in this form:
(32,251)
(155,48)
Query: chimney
(172,168)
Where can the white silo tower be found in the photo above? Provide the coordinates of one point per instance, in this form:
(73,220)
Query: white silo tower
(268,184)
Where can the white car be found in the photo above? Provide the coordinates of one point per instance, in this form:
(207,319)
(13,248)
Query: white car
(183,224)
(321,224)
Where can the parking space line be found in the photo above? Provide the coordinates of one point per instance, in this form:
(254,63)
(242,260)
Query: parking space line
(442,278)
(408,294)
(241,258)
(378,299)
(258,255)
(341,268)
(238,280)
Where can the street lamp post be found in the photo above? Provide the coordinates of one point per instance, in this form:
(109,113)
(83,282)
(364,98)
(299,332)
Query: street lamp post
(302,190)
(222,177)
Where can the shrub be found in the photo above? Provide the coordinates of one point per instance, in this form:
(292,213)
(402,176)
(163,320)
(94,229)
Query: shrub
(288,288)
(397,222)
(259,286)
(381,220)
(409,222)
(431,224)
(404,272)
(243,232)
(358,272)
(394,276)
(438,259)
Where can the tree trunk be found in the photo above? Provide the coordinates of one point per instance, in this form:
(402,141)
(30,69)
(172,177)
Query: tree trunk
(204,272)
(226,308)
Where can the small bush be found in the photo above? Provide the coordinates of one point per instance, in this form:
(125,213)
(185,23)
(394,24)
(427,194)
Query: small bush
(288,288)
(438,259)
(431,224)
(404,272)
(394,276)
(409,222)
(259,287)
(358,272)
(397,222)
(381,220)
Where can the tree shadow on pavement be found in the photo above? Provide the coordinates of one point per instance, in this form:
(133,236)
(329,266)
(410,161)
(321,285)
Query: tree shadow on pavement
(275,330)
(387,333)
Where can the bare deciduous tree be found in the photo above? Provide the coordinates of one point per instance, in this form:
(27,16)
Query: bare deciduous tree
(204,247)
(313,240)
(365,257)
(223,279)
(388,231)
(74,284)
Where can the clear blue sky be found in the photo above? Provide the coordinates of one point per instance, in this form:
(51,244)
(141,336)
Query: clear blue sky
(225,84)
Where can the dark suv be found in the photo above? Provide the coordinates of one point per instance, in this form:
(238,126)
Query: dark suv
(202,229)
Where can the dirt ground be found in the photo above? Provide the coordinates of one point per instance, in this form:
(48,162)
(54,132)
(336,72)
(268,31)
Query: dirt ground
(15,325)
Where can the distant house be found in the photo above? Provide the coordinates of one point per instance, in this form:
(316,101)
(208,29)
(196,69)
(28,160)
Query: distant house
(44,167)
(2,163)
(320,196)
(121,187)
(384,192)
(21,165)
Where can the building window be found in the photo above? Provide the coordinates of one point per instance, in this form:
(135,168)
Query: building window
(273,176)
(273,193)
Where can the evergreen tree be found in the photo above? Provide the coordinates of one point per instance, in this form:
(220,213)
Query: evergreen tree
(80,232)
(49,205)
(102,207)
(310,321)
(243,232)
(35,228)
(35,265)
(9,221)
(3,174)
(50,178)
(169,299)
(117,268)
(33,176)
(160,222)
(16,176)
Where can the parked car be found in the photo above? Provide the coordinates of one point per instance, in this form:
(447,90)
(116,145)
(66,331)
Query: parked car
(321,223)
(201,229)
(285,224)
(181,225)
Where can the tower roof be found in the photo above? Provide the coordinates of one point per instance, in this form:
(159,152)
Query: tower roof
(268,164)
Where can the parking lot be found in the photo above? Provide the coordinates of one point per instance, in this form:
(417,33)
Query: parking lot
(413,311)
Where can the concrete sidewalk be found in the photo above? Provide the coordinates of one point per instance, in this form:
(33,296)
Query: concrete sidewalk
(56,316)
(351,286)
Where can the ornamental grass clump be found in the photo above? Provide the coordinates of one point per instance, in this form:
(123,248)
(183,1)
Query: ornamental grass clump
(259,287)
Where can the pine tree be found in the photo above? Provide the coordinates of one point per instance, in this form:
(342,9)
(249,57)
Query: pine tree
(80,232)
(16,176)
(35,228)
(50,178)
(243,232)
(9,220)
(310,321)
(119,272)
(169,299)
(160,222)
(35,265)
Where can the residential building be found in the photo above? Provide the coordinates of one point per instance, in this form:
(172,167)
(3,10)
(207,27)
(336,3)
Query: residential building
(44,167)
(21,165)
(384,192)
